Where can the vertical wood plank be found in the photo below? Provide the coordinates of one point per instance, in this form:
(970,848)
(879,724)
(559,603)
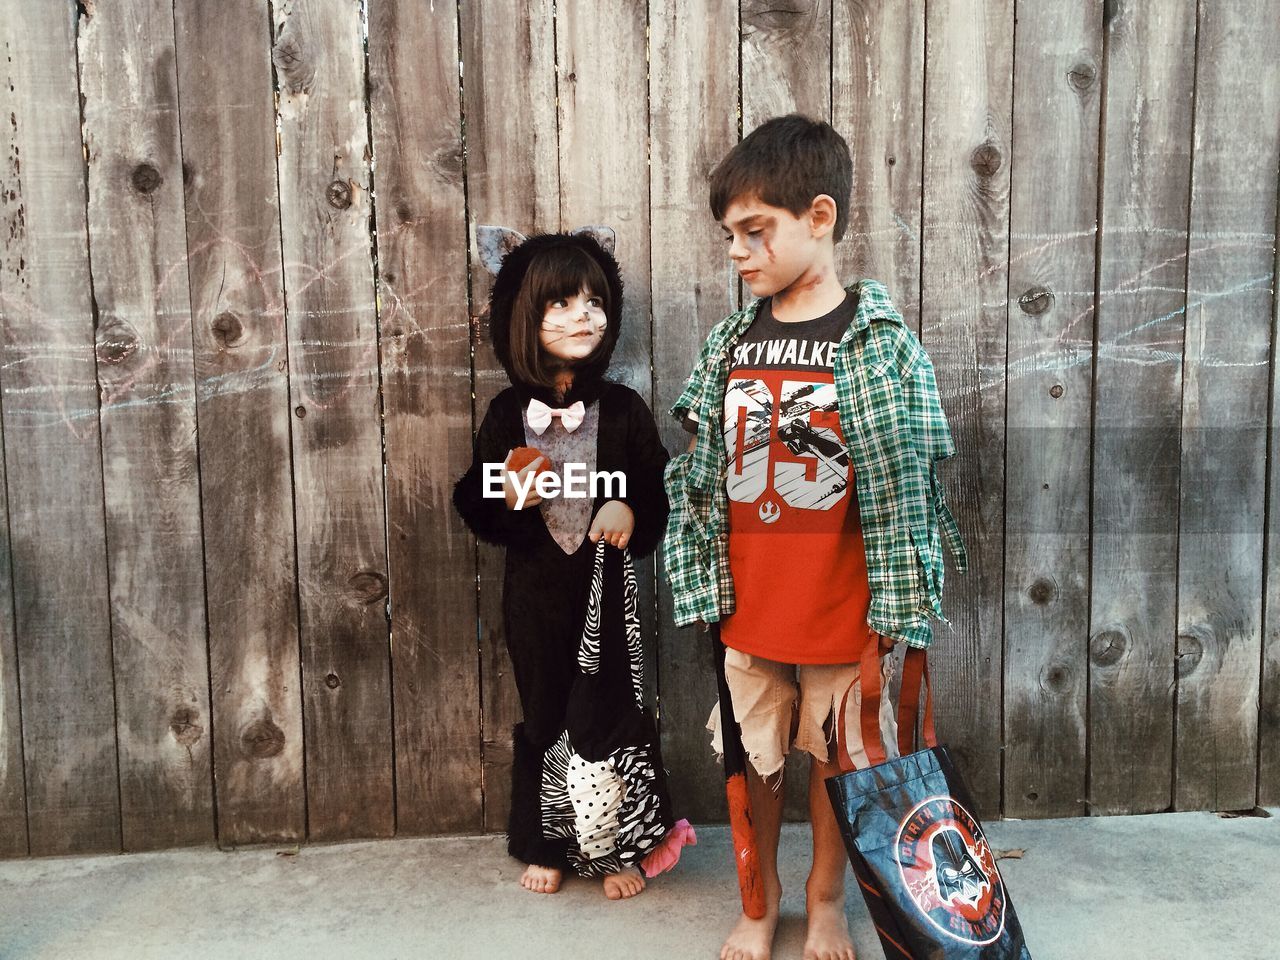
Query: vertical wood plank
(1138,389)
(1053,236)
(877,103)
(969,71)
(13,788)
(786,60)
(325,209)
(422,255)
(513,180)
(1269,707)
(693,96)
(1230,278)
(242,405)
(53,453)
(603,176)
(137,234)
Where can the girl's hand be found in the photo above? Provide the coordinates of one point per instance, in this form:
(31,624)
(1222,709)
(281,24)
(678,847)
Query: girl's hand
(614,522)
(508,484)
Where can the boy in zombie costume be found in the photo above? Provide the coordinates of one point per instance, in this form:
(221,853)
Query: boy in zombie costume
(807,519)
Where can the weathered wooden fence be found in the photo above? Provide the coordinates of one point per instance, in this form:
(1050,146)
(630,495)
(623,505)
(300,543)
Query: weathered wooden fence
(238,380)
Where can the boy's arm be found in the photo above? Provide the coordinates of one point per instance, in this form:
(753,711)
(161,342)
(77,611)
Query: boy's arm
(688,406)
(932,437)
(928,420)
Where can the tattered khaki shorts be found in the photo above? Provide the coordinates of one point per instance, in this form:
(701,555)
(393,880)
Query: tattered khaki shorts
(765,695)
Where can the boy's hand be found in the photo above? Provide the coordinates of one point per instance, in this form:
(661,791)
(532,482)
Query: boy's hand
(614,523)
(508,485)
(886,643)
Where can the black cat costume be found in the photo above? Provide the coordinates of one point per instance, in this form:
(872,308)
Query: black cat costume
(588,787)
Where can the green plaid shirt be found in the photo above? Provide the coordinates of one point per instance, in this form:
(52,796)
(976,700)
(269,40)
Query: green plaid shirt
(895,431)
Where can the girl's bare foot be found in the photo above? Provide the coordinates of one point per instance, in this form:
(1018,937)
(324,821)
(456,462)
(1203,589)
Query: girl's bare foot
(541,879)
(623,885)
(828,932)
(752,939)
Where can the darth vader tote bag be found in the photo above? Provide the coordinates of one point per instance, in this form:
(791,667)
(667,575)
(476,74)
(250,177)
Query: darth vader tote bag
(924,866)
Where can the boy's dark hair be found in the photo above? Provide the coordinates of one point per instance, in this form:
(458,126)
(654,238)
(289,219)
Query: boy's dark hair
(786,162)
(548,267)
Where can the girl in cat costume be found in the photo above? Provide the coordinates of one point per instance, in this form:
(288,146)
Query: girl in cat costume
(588,787)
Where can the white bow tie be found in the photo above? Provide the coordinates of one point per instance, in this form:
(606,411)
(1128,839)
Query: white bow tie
(540,416)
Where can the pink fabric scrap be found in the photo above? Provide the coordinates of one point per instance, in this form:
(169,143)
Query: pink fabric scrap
(667,854)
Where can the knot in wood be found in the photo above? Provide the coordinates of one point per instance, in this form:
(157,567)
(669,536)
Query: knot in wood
(1107,648)
(448,163)
(776,19)
(985,159)
(1082,77)
(184,727)
(297,72)
(1056,391)
(1055,678)
(227,329)
(300,412)
(145,178)
(117,342)
(339,194)
(262,739)
(1190,651)
(331,681)
(1041,591)
(1036,301)
(368,586)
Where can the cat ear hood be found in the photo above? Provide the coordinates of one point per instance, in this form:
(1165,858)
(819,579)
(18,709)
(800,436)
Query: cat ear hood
(515,262)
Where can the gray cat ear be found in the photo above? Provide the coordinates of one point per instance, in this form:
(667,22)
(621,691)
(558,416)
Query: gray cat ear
(494,243)
(600,234)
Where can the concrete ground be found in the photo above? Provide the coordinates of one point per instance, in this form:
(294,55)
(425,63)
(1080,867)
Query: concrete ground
(1165,887)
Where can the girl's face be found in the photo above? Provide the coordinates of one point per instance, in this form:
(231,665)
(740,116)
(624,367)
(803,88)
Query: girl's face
(572,327)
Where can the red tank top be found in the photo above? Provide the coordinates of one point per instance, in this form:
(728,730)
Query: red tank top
(795,542)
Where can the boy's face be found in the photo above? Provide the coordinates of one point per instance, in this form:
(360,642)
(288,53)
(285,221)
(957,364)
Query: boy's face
(771,247)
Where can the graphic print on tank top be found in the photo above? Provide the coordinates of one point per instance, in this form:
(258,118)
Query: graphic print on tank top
(807,468)
(795,543)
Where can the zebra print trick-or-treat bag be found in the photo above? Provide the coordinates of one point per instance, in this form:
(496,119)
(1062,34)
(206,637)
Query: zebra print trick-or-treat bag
(603,783)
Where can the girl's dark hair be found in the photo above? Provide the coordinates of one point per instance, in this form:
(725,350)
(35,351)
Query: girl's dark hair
(786,162)
(543,268)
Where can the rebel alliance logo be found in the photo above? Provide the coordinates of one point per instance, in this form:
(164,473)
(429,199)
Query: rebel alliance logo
(949,871)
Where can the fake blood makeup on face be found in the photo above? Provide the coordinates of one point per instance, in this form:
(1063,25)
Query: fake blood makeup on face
(759,236)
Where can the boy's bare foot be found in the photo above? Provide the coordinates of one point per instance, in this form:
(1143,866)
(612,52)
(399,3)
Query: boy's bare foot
(752,939)
(623,885)
(540,879)
(828,932)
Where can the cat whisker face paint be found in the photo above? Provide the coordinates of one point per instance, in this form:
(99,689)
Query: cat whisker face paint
(573,326)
